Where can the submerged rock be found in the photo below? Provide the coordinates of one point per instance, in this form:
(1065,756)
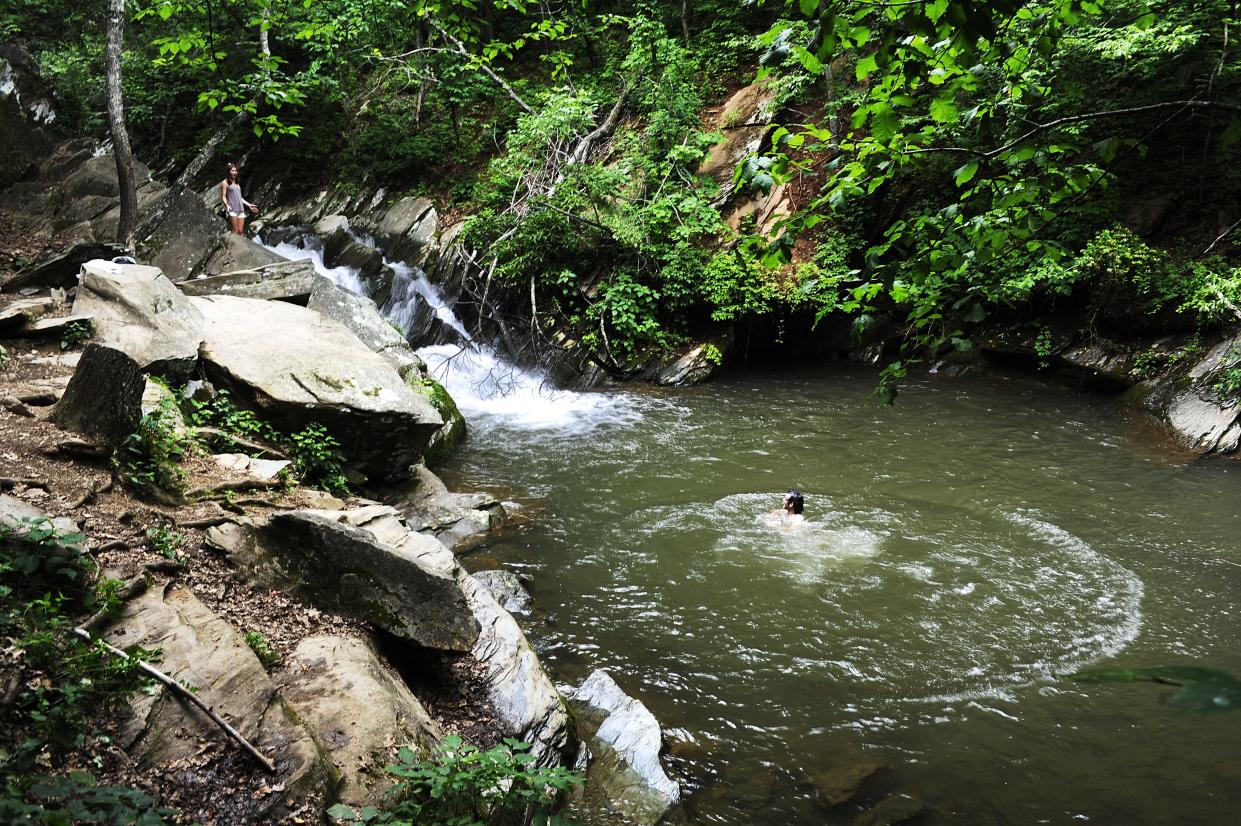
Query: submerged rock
(299,367)
(625,740)
(138,311)
(359,712)
(507,590)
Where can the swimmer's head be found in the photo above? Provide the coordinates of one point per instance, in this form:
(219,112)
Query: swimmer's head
(794,502)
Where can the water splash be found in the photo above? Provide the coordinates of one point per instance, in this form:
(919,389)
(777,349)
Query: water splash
(494,392)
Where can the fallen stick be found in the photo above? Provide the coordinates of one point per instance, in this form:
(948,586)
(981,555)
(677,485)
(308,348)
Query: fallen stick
(94,489)
(14,481)
(181,690)
(237,440)
(128,591)
(114,545)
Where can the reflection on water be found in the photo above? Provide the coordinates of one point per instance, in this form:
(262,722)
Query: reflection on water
(960,551)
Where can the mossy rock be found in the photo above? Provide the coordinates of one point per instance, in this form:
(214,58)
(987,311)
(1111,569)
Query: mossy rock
(448,437)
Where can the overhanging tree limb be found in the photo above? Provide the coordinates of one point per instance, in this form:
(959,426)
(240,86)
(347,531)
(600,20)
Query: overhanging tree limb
(464,52)
(1111,113)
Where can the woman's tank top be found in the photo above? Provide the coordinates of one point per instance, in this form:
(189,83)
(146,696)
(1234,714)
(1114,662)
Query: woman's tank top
(235,203)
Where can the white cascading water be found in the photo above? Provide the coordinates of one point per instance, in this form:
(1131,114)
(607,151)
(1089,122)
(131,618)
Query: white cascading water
(486,388)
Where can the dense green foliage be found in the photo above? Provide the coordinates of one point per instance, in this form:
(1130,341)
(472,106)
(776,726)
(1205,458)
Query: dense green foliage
(465,786)
(939,164)
(151,456)
(60,682)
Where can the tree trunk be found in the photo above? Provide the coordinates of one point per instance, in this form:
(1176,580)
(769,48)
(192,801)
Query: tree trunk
(116,118)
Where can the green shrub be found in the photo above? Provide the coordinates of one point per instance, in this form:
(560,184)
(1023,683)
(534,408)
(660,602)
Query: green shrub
(166,542)
(318,460)
(220,412)
(151,456)
(63,683)
(464,785)
(75,333)
(262,649)
(1228,380)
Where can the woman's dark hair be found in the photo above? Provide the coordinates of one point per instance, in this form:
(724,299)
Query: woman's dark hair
(797,500)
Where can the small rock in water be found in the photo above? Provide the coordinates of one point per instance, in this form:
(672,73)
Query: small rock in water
(28,291)
(840,783)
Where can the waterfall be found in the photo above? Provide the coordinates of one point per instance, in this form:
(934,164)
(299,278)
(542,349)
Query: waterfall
(487,388)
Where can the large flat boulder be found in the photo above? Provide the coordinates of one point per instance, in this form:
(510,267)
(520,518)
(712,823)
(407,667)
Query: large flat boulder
(363,319)
(180,233)
(299,367)
(292,281)
(237,252)
(625,739)
(16,315)
(206,653)
(361,563)
(359,712)
(138,311)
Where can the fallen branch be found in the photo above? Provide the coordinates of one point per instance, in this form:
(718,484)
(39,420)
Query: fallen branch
(237,440)
(13,481)
(128,591)
(209,522)
(114,545)
(182,691)
(233,487)
(94,489)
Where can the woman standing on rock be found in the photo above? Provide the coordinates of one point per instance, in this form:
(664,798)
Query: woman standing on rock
(234,204)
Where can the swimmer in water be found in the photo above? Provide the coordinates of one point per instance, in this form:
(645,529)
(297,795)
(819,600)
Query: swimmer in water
(794,504)
(790,512)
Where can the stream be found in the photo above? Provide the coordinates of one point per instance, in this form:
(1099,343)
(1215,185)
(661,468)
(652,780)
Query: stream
(962,551)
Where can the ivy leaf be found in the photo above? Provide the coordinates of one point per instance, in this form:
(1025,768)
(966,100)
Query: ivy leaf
(808,61)
(965,174)
(944,110)
(866,66)
(935,10)
(809,7)
(1232,133)
(884,123)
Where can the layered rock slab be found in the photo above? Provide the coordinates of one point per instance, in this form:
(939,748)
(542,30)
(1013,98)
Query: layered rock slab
(138,311)
(360,713)
(298,367)
(203,651)
(625,739)
(453,518)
